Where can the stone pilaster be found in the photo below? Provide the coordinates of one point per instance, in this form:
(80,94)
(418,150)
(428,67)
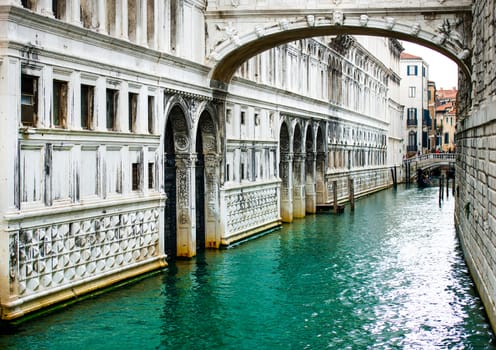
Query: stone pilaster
(121,21)
(74,12)
(44,7)
(141,32)
(10,173)
(101,16)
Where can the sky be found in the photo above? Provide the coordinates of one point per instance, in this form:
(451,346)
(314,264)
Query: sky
(442,70)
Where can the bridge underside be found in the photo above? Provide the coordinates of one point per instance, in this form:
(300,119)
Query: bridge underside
(236,33)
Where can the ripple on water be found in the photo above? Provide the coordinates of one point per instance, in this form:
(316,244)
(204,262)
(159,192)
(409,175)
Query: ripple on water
(388,276)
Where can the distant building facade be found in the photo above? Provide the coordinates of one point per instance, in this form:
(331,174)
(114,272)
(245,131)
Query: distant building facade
(431,129)
(414,95)
(446,112)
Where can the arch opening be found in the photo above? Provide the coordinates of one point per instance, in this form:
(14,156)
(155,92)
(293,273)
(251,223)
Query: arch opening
(299,202)
(174,140)
(229,56)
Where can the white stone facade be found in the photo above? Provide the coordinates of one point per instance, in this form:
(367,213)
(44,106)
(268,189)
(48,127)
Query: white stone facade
(118,153)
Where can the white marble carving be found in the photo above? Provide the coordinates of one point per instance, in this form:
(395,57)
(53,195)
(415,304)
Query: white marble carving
(50,256)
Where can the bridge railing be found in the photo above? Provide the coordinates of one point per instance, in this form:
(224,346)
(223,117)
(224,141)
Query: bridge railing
(431,156)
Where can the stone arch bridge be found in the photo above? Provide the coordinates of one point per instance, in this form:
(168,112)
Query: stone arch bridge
(428,162)
(238,30)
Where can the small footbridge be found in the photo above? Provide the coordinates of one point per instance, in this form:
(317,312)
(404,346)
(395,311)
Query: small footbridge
(427,162)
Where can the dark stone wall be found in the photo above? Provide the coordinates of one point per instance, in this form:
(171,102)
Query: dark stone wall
(475,211)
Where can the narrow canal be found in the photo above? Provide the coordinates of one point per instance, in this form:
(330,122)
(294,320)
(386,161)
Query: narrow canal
(388,276)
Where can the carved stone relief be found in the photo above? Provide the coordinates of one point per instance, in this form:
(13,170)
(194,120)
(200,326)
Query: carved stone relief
(249,209)
(51,256)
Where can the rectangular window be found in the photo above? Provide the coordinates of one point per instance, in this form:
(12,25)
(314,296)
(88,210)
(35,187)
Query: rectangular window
(411,70)
(135,178)
(242,117)
(227,172)
(29,100)
(446,138)
(412,139)
(425,137)
(151,172)
(412,113)
(29,4)
(87,101)
(59,113)
(412,91)
(133,111)
(423,71)
(242,171)
(151,114)
(58,8)
(112,101)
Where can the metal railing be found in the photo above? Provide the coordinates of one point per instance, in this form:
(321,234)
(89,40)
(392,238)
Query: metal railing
(411,122)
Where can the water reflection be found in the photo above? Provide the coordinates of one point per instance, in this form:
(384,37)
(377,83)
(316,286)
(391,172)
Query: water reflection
(388,276)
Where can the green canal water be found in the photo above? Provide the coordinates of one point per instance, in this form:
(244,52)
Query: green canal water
(388,276)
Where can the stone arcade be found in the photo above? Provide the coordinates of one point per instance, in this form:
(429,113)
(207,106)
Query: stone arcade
(126,139)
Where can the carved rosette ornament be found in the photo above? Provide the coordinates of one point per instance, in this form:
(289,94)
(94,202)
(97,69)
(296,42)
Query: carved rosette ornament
(181,142)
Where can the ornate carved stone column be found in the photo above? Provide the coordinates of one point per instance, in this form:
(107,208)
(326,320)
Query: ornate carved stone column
(212,184)
(185,198)
(299,185)
(310,183)
(286,169)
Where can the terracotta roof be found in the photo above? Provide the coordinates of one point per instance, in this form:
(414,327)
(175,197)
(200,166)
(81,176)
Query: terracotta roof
(444,107)
(406,56)
(451,93)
